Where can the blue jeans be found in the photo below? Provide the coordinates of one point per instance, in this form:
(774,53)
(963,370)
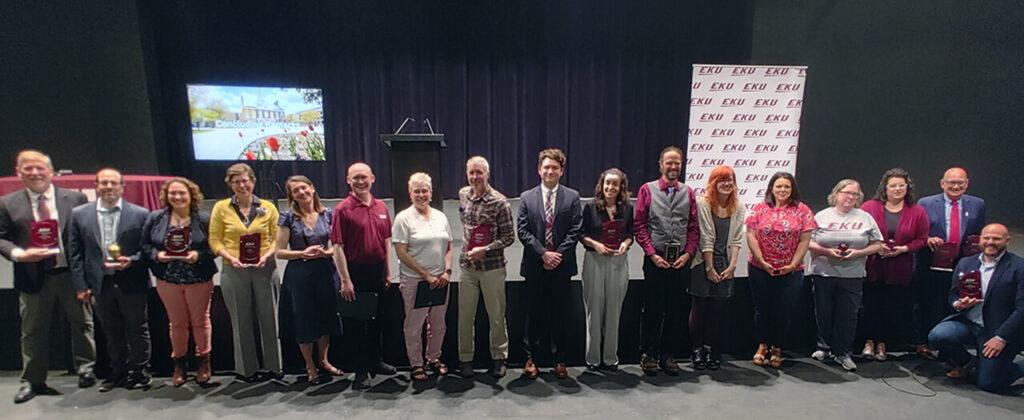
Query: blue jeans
(951,338)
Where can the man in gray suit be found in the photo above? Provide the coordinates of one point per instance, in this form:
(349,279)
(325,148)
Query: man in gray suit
(42,277)
(104,252)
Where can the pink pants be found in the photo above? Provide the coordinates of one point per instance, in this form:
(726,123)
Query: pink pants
(414,319)
(188,305)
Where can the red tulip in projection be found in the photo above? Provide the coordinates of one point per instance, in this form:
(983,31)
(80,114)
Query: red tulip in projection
(256,123)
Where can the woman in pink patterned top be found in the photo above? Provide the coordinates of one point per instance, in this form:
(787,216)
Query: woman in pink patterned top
(778,232)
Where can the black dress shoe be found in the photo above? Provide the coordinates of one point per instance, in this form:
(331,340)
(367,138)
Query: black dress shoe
(698,359)
(609,368)
(714,359)
(466,370)
(499,369)
(385,369)
(361,381)
(25,393)
(86,379)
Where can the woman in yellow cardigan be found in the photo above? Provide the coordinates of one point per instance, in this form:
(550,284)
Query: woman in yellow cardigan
(248,278)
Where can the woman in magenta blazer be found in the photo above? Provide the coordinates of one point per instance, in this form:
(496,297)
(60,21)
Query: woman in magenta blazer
(887,298)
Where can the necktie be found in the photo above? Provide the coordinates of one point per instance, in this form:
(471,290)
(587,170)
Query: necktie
(671,194)
(954,223)
(44,214)
(549,221)
(44,210)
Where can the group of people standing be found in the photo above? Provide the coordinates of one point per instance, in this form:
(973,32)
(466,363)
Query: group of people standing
(103,252)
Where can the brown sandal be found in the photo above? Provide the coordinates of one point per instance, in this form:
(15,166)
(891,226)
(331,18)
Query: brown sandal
(418,374)
(438,367)
(776,359)
(760,355)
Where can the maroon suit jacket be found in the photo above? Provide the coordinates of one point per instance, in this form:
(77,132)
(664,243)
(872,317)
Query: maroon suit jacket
(912,232)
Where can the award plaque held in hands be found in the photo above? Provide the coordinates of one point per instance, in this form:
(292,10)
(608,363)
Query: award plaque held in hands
(479,236)
(672,252)
(611,234)
(178,242)
(969,284)
(249,249)
(45,235)
(844,249)
(972,246)
(944,256)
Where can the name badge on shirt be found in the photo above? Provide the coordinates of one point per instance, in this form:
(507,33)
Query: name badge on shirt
(382,216)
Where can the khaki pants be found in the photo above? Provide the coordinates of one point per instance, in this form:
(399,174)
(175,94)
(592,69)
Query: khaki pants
(37,311)
(491,284)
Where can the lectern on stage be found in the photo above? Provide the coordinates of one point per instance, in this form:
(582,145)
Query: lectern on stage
(411,153)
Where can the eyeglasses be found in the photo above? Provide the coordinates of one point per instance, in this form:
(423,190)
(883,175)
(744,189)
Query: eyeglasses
(957,183)
(850,193)
(106,183)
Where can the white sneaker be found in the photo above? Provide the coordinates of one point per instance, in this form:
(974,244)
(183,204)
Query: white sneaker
(846,362)
(821,355)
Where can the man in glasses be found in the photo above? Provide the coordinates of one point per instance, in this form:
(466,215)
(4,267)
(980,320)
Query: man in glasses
(955,220)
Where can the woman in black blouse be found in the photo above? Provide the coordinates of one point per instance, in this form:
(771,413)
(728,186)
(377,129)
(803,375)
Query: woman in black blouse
(184,277)
(608,233)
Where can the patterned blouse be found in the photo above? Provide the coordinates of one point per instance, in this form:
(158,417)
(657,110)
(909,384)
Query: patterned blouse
(778,232)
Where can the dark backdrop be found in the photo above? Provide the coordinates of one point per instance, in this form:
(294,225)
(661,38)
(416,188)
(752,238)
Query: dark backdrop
(922,85)
(606,81)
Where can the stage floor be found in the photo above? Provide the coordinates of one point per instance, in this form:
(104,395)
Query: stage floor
(804,389)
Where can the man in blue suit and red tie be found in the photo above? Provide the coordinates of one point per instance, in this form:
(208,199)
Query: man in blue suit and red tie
(955,219)
(993,322)
(550,223)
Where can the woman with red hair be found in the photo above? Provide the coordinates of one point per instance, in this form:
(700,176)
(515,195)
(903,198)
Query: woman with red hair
(720,215)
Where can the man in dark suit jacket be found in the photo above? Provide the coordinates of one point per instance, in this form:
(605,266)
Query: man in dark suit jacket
(550,223)
(994,323)
(119,282)
(931,286)
(42,278)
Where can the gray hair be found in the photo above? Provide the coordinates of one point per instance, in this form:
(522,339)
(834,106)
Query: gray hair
(479,160)
(420,178)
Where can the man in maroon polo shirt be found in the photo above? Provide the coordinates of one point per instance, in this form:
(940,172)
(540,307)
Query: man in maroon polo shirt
(360,230)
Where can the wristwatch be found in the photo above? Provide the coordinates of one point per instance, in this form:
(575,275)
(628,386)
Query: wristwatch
(708,268)
(448,271)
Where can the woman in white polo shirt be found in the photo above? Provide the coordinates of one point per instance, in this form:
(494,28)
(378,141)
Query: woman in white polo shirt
(423,244)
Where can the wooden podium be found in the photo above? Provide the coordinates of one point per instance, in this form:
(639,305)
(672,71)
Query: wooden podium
(411,153)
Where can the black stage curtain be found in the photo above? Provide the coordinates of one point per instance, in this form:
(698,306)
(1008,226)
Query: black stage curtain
(606,81)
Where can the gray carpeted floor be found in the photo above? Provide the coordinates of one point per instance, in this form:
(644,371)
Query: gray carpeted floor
(803,389)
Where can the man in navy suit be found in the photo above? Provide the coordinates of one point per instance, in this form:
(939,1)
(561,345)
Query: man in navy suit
(994,323)
(119,282)
(550,223)
(42,278)
(953,216)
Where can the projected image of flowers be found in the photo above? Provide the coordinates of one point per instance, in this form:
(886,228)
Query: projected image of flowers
(256,123)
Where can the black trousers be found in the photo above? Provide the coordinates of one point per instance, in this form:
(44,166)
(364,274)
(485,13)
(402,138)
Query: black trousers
(887,312)
(365,336)
(836,305)
(774,297)
(546,300)
(930,289)
(125,325)
(665,308)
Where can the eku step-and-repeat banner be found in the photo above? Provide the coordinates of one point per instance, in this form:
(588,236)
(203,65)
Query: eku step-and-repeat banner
(748,118)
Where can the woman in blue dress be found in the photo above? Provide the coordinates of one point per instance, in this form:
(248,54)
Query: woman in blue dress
(310,286)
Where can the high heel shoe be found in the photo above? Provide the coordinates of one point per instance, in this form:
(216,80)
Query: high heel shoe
(880,353)
(204,371)
(760,355)
(776,357)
